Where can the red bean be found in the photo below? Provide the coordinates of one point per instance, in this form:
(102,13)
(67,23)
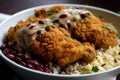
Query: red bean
(41,65)
(14,48)
(31,66)
(33,62)
(63,16)
(32,26)
(22,63)
(41,22)
(27,56)
(20,54)
(18,59)
(83,16)
(48,70)
(40,68)
(62,26)
(6,51)
(39,32)
(3,46)
(103,65)
(69,25)
(12,52)
(11,56)
(25,59)
(56,21)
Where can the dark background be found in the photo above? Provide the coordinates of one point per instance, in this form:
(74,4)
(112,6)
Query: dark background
(13,6)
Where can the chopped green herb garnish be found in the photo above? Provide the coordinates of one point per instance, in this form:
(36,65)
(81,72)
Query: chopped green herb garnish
(108,27)
(88,19)
(79,13)
(73,7)
(53,17)
(56,24)
(42,26)
(95,68)
(118,37)
(50,11)
(81,20)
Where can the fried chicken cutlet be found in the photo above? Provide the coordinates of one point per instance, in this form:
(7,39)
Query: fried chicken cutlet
(52,44)
(86,27)
(92,29)
(56,45)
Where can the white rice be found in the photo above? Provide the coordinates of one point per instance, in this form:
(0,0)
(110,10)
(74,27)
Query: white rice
(104,61)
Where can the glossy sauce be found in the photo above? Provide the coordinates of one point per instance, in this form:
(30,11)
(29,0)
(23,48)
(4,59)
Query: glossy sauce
(64,18)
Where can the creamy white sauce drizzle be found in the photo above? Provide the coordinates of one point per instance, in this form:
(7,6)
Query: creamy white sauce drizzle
(28,33)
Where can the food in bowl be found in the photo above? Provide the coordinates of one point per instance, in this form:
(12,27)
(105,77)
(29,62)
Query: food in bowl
(63,40)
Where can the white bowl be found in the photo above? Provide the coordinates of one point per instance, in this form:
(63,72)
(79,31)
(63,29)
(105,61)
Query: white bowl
(29,74)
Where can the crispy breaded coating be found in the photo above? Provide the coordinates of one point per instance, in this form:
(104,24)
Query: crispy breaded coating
(93,30)
(45,12)
(11,36)
(39,14)
(44,35)
(56,45)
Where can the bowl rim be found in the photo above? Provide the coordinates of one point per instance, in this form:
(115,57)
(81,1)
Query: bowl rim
(49,74)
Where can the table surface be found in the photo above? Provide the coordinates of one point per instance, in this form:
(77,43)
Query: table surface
(13,6)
